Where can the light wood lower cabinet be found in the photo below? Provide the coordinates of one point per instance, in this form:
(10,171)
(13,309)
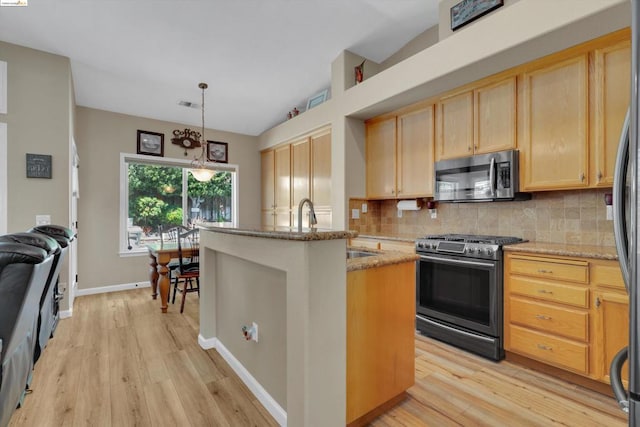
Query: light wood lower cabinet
(380,336)
(571,313)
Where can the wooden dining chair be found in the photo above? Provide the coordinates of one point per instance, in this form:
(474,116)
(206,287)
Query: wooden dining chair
(170,234)
(188,265)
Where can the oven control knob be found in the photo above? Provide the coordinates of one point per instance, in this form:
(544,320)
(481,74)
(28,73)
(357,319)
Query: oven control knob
(489,251)
(420,245)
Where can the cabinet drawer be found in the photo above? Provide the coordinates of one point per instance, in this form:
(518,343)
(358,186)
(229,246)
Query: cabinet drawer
(556,320)
(550,291)
(572,271)
(608,275)
(549,349)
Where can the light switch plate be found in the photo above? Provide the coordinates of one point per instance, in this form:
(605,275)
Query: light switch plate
(364,208)
(355,214)
(399,213)
(609,212)
(43,219)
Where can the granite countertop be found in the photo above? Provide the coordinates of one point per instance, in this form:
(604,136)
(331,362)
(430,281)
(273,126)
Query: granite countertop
(284,233)
(563,249)
(381,258)
(395,239)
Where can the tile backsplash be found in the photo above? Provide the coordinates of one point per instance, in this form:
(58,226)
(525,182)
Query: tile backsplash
(574,217)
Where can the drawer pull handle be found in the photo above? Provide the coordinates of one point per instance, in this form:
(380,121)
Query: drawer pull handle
(544,291)
(543,317)
(544,347)
(545,271)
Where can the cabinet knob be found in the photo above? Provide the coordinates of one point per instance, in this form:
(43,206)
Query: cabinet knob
(542,317)
(599,176)
(475,147)
(582,177)
(545,347)
(544,291)
(469,148)
(545,271)
(598,302)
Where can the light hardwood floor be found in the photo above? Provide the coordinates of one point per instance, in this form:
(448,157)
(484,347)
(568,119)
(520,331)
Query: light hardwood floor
(119,362)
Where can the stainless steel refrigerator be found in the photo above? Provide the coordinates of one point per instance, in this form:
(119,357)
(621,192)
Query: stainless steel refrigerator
(625,207)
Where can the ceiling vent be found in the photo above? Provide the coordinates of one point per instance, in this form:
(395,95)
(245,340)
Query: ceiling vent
(188,104)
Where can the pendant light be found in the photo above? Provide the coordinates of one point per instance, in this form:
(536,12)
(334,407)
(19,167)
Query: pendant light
(198,169)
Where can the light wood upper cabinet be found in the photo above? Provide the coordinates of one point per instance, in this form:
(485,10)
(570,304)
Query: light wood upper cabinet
(611,92)
(415,153)
(381,158)
(300,170)
(321,169)
(292,172)
(554,130)
(495,117)
(455,126)
(267,179)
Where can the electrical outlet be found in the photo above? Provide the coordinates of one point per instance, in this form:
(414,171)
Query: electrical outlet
(254,336)
(355,214)
(364,208)
(399,213)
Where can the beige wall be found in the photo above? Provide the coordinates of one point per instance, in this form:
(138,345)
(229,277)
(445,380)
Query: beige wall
(38,122)
(427,38)
(101,137)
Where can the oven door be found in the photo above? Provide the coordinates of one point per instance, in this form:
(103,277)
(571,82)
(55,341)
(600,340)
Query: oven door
(460,291)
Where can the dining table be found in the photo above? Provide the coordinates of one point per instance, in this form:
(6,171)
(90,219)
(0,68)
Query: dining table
(160,254)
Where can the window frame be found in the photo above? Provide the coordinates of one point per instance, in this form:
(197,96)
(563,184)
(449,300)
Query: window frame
(125,158)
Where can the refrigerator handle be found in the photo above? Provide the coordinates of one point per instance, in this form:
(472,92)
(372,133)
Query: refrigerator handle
(619,177)
(615,375)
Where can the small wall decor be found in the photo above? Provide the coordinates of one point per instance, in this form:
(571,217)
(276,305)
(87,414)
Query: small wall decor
(359,72)
(469,10)
(150,143)
(317,99)
(39,166)
(217,151)
(186,139)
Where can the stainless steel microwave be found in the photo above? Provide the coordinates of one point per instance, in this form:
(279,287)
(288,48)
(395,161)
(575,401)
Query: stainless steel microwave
(479,178)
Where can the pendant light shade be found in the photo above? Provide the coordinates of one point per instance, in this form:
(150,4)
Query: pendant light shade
(198,168)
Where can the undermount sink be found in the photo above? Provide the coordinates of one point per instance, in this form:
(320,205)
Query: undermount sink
(359,254)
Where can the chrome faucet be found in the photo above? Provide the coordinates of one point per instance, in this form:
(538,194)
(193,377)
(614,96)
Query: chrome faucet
(312,214)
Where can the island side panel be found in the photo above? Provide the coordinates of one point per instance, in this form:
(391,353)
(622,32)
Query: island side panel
(315,342)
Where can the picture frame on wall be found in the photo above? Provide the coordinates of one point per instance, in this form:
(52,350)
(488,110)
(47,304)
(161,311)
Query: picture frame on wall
(468,11)
(150,143)
(217,151)
(317,99)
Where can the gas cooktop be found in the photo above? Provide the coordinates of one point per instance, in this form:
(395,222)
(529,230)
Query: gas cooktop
(473,246)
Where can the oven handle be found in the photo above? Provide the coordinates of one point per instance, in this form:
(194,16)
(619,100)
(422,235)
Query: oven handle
(455,330)
(458,261)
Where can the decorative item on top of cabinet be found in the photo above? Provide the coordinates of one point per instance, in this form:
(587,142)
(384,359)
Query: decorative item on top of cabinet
(610,81)
(553,126)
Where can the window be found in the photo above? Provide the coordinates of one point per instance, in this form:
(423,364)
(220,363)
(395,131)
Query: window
(158,192)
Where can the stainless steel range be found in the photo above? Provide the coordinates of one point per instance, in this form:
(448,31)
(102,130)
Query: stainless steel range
(459,291)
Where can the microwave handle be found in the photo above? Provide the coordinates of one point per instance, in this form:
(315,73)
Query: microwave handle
(492,177)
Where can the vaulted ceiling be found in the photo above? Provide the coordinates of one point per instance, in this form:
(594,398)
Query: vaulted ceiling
(260,58)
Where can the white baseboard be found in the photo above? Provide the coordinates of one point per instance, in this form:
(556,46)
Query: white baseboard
(64,314)
(112,288)
(258,391)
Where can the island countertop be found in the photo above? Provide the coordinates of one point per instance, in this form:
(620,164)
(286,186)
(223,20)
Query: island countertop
(381,259)
(284,233)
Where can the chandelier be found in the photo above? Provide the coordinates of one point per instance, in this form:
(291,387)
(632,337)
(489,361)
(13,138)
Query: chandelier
(198,168)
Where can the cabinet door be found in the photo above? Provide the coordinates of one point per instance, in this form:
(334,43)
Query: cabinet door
(611,96)
(381,159)
(455,126)
(555,126)
(415,153)
(283,185)
(300,171)
(321,170)
(495,117)
(267,169)
(611,330)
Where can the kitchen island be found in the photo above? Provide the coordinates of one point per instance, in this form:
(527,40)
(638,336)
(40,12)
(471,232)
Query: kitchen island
(293,286)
